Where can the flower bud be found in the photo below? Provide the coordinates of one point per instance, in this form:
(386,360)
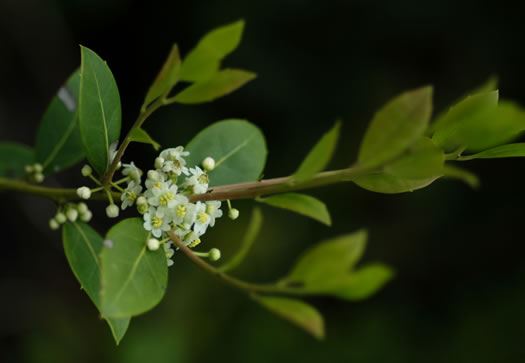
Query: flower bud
(53,224)
(84,192)
(112,211)
(82,208)
(37,168)
(86,170)
(233,213)
(214,254)
(38,177)
(142,201)
(158,162)
(86,216)
(153,175)
(72,214)
(153,244)
(208,163)
(28,169)
(119,165)
(60,218)
(142,208)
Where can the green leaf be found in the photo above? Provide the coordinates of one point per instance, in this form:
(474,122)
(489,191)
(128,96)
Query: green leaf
(296,311)
(319,156)
(422,164)
(82,246)
(362,283)
(140,135)
(238,147)
(218,85)
(486,97)
(250,235)
(204,60)
(396,126)
(13,158)
(167,77)
(58,144)
(134,279)
(99,109)
(453,172)
(300,203)
(503,151)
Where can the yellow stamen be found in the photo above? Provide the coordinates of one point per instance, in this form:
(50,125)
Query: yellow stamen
(131,196)
(181,210)
(202,217)
(203,179)
(194,243)
(165,198)
(156,222)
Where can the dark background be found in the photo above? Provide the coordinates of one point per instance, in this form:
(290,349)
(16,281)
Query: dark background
(460,287)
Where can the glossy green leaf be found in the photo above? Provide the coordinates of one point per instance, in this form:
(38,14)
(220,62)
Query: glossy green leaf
(396,126)
(82,246)
(300,203)
(503,151)
(328,259)
(134,279)
(99,109)
(453,172)
(140,135)
(488,127)
(420,166)
(218,85)
(361,283)
(466,108)
(319,156)
(58,144)
(250,236)
(238,147)
(204,60)
(13,158)
(296,311)
(167,77)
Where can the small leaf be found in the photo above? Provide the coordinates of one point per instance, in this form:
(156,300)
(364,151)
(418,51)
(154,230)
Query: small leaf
(250,235)
(99,109)
(204,60)
(140,135)
(300,203)
(82,246)
(134,279)
(503,151)
(13,158)
(296,311)
(238,147)
(166,78)
(453,172)
(464,109)
(422,164)
(362,283)
(396,126)
(319,156)
(58,144)
(328,259)
(220,84)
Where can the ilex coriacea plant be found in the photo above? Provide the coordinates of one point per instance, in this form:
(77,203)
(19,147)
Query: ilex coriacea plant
(186,190)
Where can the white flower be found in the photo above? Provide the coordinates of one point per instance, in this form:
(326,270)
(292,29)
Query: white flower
(233,213)
(156,221)
(192,239)
(199,180)
(132,171)
(155,179)
(173,160)
(153,244)
(181,212)
(202,219)
(208,163)
(130,194)
(213,209)
(112,211)
(163,196)
(84,192)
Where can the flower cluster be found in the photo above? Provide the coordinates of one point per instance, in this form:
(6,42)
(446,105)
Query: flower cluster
(70,212)
(164,203)
(34,172)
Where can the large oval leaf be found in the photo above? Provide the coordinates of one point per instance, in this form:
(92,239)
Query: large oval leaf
(238,147)
(13,158)
(134,278)
(300,203)
(82,246)
(396,126)
(58,143)
(99,109)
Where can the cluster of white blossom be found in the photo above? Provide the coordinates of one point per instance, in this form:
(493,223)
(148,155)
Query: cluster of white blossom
(70,212)
(34,172)
(164,203)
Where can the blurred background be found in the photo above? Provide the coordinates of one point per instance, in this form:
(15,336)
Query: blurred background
(460,286)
